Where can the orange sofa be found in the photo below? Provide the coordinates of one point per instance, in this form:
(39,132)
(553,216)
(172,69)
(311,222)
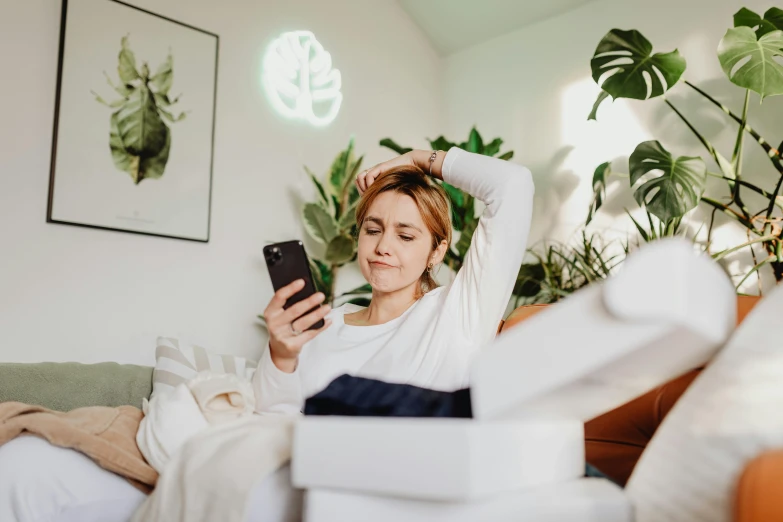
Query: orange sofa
(614,441)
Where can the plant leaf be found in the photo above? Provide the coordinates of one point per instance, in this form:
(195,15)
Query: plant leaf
(441,143)
(493,147)
(773,20)
(359,290)
(339,169)
(319,223)
(348,219)
(750,62)
(140,126)
(645,236)
(679,187)
(390,144)
(127,63)
(475,143)
(774,15)
(529,280)
(627,56)
(507,156)
(601,97)
(599,188)
(353,171)
(164,76)
(322,277)
(340,250)
(319,187)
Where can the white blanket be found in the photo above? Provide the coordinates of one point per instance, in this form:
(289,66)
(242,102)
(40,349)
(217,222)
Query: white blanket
(210,478)
(172,418)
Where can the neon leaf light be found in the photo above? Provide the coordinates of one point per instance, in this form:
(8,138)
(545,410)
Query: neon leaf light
(299,80)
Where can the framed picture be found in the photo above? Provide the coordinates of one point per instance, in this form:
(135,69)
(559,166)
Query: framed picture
(134,122)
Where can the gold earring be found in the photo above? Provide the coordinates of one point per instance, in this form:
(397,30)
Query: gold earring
(429,268)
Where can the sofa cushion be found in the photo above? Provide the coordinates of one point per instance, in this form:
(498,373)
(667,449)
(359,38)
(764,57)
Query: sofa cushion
(177,361)
(70,385)
(728,416)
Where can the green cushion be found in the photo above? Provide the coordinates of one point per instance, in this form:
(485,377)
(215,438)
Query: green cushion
(66,386)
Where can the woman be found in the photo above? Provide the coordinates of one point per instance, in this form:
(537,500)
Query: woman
(412,332)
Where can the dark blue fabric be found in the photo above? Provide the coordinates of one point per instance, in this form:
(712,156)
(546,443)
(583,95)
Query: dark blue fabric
(356,396)
(359,397)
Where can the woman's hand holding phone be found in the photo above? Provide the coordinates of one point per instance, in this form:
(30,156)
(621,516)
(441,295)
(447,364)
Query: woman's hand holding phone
(287,334)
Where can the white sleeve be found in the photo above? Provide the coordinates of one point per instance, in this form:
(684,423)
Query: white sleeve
(481,290)
(276,391)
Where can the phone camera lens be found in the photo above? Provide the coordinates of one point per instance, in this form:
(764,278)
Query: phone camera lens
(274,255)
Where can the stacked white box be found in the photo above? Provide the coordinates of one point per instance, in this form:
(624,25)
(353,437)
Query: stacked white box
(667,312)
(583,500)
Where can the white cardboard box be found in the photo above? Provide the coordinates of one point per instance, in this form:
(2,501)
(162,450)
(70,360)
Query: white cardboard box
(583,500)
(667,312)
(438,459)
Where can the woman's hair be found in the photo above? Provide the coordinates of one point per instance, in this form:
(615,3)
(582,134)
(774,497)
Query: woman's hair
(431,200)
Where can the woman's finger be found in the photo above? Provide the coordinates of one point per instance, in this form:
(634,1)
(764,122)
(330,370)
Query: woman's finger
(310,334)
(303,323)
(275,306)
(301,308)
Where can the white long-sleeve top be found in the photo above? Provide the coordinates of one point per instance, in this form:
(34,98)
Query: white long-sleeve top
(433,343)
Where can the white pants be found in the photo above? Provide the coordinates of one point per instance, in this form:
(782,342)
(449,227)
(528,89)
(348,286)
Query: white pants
(40,482)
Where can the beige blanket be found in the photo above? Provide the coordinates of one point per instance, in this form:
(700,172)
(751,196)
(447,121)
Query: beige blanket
(212,475)
(106,435)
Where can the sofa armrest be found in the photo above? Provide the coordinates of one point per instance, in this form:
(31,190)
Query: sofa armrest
(67,386)
(758,492)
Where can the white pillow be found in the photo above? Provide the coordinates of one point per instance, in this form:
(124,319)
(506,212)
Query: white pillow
(730,414)
(178,362)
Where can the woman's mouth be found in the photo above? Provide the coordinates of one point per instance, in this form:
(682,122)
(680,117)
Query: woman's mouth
(380,264)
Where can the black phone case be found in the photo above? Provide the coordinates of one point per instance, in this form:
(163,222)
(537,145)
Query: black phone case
(286,263)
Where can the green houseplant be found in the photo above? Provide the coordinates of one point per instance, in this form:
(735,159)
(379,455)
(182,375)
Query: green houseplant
(669,187)
(331,221)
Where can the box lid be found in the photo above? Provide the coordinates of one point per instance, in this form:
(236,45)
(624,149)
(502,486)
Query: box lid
(667,311)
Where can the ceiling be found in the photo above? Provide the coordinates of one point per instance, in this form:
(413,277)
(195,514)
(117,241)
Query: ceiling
(453,25)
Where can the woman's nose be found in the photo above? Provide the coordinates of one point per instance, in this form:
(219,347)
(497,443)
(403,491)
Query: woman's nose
(384,244)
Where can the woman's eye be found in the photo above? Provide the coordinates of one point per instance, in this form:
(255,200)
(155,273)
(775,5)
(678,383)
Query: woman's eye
(406,238)
(373,231)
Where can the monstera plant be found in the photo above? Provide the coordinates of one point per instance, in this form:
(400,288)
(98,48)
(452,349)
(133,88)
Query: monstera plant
(668,186)
(139,139)
(463,214)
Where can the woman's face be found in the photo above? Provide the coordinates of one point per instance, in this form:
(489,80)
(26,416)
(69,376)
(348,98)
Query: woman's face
(395,245)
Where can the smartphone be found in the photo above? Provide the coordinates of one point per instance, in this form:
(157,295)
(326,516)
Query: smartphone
(286,263)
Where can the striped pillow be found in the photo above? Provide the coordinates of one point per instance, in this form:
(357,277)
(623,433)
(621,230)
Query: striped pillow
(177,363)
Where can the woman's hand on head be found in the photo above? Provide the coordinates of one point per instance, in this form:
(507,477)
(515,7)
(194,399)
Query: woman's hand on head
(415,158)
(288,332)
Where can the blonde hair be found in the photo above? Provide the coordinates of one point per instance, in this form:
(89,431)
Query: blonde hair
(430,199)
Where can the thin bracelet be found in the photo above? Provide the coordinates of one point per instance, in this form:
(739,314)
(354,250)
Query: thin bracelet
(433,157)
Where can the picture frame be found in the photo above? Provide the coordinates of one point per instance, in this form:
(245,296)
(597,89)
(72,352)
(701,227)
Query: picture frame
(134,122)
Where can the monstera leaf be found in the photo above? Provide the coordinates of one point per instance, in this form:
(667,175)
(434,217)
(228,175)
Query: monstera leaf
(750,62)
(299,78)
(773,20)
(676,190)
(624,67)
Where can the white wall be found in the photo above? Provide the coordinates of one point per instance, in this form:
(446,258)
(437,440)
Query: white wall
(533,88)
(69,293)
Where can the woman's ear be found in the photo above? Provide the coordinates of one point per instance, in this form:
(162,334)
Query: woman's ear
(439,253)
